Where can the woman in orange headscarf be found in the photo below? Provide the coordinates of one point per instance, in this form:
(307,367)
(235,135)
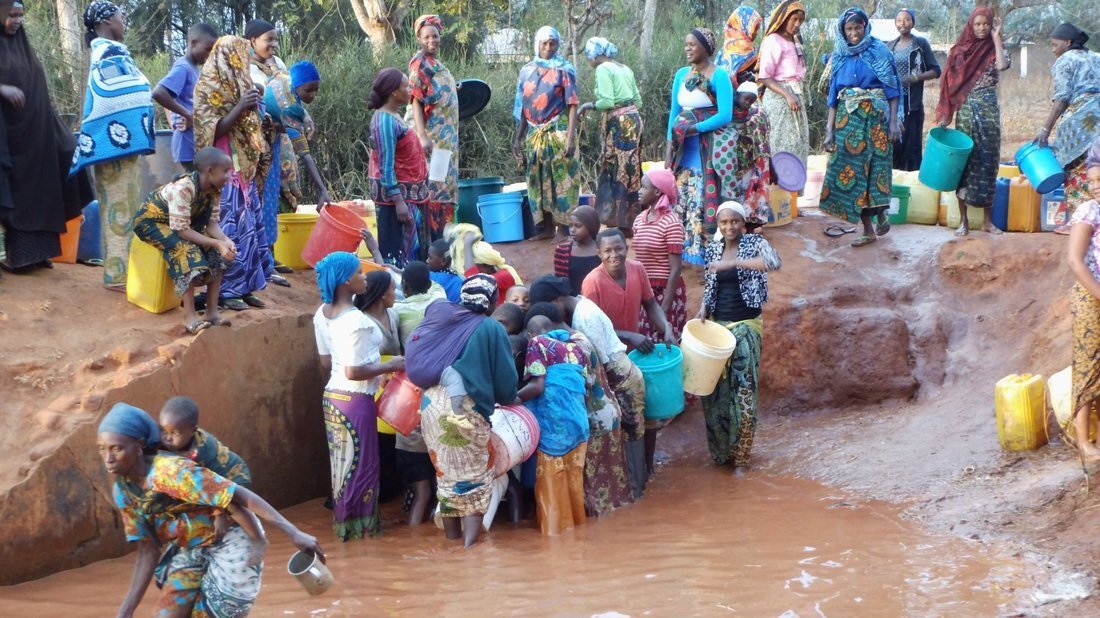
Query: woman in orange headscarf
(738,55)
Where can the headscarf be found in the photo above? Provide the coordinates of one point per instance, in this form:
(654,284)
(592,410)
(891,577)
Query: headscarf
(302,73)
(1068,32)
(780,16)
(224,78)
(126,420)
(589,218)
(870,51)
(732,207)
(912,14)
(333,271)
(385,83)
(558,61)
(749,88)
(427,20)
(966,62)
(665,182)
(378,283)
(706,38)
(479,293)
(548,288)
(257,28)
(483,251)
(598,46)
(739,49)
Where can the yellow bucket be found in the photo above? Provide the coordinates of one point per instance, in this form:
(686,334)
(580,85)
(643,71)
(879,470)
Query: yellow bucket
(1021,403)
(294,231)
(706,346)
(1006,170)
(784,205)
(147,282)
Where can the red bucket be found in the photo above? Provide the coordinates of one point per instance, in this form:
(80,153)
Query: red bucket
(399,405)
(337,229)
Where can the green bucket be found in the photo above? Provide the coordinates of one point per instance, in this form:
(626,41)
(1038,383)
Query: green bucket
(469,189)
(945,156)
(899,205)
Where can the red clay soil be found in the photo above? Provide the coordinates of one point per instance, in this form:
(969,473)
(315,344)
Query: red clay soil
(878,373)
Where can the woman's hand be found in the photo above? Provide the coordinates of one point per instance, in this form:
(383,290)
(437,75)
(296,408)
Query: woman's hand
(895,130)
(227,249)
(943,123)
(256,551)
(701,314)
(1042,139)
(404,215)
(426,144)
(668,156)
(14,96)
(997,23)
(323,199)
(249,100)
(793,102)
(585,107)
(397,363)
(692,130)
(829,145)
(570,145)
(640,342)
(310,127)
(306,542)
(670,337)
(520,156)
(721,266)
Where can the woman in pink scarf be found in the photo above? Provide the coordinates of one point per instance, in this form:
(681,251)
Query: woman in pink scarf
(658,245)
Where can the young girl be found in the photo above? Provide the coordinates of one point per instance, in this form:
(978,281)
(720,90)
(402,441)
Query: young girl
(181,219)
(579,255)
(519,296)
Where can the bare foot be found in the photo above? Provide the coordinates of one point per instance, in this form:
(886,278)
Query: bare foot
(989,228)
(964,230)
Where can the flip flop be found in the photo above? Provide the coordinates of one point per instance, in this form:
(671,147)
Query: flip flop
(883,228)
(220,321)
(279,280)
(863,240)
(283,268)
(234,304)
(835,231)
(253,301)
(196,327)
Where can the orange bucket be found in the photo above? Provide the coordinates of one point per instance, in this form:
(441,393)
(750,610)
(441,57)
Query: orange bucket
(70,240)
(337,229)
(369,265)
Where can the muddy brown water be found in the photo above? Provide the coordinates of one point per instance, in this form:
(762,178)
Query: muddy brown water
(701,543)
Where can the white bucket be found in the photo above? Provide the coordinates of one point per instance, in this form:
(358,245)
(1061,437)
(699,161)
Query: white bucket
(515,437)
(811,194)
(308,569)
(706,347)
(439,165)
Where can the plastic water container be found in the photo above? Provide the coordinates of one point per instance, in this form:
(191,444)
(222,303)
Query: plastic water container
(784,206)
(1021,412)
(1000,203)
(898,212)
(337,229)
(90,246)
(368,264)
(294,231)
(399,404)
(469,190)
(817,163)
(664,380)
(1060,396)
(501,217)
(1040,166)
(706,347)
(975,217)
(70,240)
(652,165)
(147,282)
(1024,206)
(945,156)
(1007,170)
(811,194)
(1054,210)
(924,202)
(365,209)
(515,437)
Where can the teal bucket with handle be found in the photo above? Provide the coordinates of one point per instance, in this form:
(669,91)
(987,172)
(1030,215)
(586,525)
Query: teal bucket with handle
(1041,167)
(664,380)
(501,216)
(945,156)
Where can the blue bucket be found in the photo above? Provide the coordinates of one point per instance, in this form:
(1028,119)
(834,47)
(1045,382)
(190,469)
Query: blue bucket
(664,380)
(1041,167)
(945,156)
(501,217)
(90,246)
(1000,203)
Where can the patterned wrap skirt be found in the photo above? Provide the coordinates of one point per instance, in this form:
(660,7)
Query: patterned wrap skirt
(676,314)
(859,176)
(551,176)
(215,580)
(118,188)
(352,428)
(730,411)
(459,447)
(788,130)
(979,116)
(620,173)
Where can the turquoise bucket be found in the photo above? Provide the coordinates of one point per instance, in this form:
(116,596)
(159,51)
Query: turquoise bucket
(501,216)
(469,190)
(945,157)
(1040,166)
(664,380)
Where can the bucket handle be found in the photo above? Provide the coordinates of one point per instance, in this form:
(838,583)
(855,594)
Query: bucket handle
(514,213)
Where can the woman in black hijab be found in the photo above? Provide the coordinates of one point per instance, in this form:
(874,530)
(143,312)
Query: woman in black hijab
(36,195)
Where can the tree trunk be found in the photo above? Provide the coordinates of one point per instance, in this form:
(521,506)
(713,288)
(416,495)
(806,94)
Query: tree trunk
(649,15)
(72,38)
(377,20)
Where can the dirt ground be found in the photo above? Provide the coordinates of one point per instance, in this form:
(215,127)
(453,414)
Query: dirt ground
(878,375)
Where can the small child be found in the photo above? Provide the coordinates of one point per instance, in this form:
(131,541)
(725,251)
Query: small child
(511,318)
(439,261)
(556,370)
(175,92)
(419,291)
(520,296)
(180,434)
(181,220)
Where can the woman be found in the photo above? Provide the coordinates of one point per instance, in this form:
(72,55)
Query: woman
(576,257)
(659,245)
(376,302)
(168,500)
(227,117)
(1084,261)
(39,149)
(285,98)
(624,379)
(916,64)
(620,172)
(545,110)
(435,116)
(398,173)
(863,122)
(350,344)
(701,107)
(968,94)
(470,255)
(463,360)
(1075,115)
(116,130)
(746,170)
(738,55)
(782,68)
(736,289)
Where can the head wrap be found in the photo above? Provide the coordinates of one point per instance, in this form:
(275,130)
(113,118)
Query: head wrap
(547,33)
(333,271)
(557,61)
(780,16)
(224,77)
(589,218)
(385,83)
(302,73)
(749,88)
(257,28)
(126,420)
(738,52)
(598,46)
(548,288)
(96,13)
(1068,32)
(483,251)
(732,207)
(870,51)
(665,182)
(706,38)
(912,14)
(966,62)
(378,283)
(479,293)
(428,20)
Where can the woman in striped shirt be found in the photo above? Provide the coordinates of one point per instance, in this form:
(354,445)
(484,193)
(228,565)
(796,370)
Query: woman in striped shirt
(658,245)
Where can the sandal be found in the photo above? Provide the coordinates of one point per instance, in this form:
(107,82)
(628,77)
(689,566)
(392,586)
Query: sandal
(835,231)
(234,304)
(253,301)
(283,268)
(220,321)
(883,228)
(198,326)
(279,280)
(863,240)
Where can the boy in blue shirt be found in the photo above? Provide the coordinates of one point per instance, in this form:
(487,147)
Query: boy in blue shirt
(175,92)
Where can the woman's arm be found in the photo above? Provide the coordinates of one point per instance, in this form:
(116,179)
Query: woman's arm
(148,554)
(723,92)
(1080,237)
(249,101)
(830,128)
(373,370)
(1060,99)
(1003,62)
(421,126)
(675,264)
(673,111)
(657,318)
(242,496)
(318,180)
(571,132)
(895,128)
(535,388)
(517,141)
(932,66)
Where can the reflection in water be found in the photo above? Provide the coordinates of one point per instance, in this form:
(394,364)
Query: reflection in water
(700,543)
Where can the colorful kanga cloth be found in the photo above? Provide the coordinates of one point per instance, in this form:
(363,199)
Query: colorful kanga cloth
(560,410)
(979,116)
(431,83)
(352,428)
(459,447)
(859,175)
(620,174)
(210,453)
(730,411)
(214,580)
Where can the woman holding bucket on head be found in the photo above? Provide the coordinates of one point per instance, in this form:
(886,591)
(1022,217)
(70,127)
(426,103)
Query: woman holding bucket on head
(865,115)
(916,64)
(545,144)
(968,94)
(349,343)
(435,115)
(398,172)
(736,290)
(166,500)
(782,69)
(1075,113)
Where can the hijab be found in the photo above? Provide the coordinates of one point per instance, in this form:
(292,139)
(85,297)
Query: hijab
(333,271)
(665,182)
(779,18)
(967,61)
(869,50)
(598,46)
(303,72)
(557,61)
(126,420)
(738,48)
(223,79)
(1068,32)
(479,293)
(428,20)
(385,83)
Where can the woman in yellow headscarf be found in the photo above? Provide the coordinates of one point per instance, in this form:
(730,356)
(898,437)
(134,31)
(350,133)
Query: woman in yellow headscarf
(470,255)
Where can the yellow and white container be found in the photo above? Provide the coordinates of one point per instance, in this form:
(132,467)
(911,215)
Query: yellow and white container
(1021,404)
(949,206)
(784,205)
(147,282)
